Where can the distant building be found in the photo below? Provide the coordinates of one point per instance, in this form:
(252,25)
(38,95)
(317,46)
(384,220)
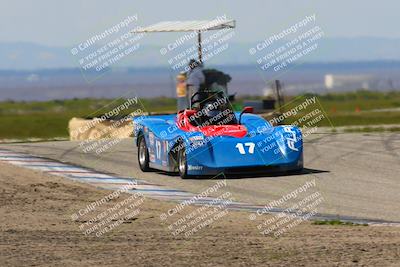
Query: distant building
(349,81)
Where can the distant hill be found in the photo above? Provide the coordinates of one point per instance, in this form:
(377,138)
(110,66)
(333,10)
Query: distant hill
(29,56)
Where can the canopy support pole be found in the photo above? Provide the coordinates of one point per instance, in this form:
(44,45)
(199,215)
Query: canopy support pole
(199,46)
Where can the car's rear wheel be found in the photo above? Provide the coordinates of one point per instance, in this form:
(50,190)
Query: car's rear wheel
(182,163)
(143,155)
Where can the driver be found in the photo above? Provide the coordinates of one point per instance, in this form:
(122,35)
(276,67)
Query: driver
(218,112)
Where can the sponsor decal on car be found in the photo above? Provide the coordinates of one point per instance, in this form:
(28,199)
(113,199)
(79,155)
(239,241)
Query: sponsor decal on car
(292,139)
(165,154)
(151,138)
(195,168)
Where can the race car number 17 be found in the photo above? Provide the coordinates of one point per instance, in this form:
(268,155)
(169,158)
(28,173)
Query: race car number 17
(241,147)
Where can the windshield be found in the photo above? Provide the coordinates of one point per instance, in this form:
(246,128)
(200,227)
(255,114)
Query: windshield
(215,112)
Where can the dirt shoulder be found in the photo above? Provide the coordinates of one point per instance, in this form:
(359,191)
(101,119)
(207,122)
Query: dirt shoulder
(37,230)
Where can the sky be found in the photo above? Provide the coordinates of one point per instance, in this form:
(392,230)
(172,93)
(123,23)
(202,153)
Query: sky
(66,23)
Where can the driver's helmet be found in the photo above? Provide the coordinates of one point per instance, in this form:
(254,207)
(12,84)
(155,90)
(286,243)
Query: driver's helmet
(213,111)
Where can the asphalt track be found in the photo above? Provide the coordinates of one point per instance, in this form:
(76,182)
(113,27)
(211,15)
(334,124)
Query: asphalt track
(357,174)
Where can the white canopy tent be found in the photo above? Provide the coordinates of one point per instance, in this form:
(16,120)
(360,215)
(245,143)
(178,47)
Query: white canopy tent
(198,26)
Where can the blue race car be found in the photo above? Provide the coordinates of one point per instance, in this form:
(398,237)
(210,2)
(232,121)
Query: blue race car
(213,139)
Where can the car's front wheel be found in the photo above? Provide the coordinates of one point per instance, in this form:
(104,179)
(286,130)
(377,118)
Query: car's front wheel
(143,155)
(182,163)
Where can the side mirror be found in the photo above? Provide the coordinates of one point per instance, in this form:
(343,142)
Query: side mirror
(245,110)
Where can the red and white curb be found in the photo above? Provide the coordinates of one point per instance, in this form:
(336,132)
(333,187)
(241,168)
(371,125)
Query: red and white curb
(160,192)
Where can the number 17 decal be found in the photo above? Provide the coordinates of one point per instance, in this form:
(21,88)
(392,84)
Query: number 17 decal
(242,150)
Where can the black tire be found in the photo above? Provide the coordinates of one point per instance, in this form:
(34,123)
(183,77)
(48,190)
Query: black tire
(143,155)
(182,163)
